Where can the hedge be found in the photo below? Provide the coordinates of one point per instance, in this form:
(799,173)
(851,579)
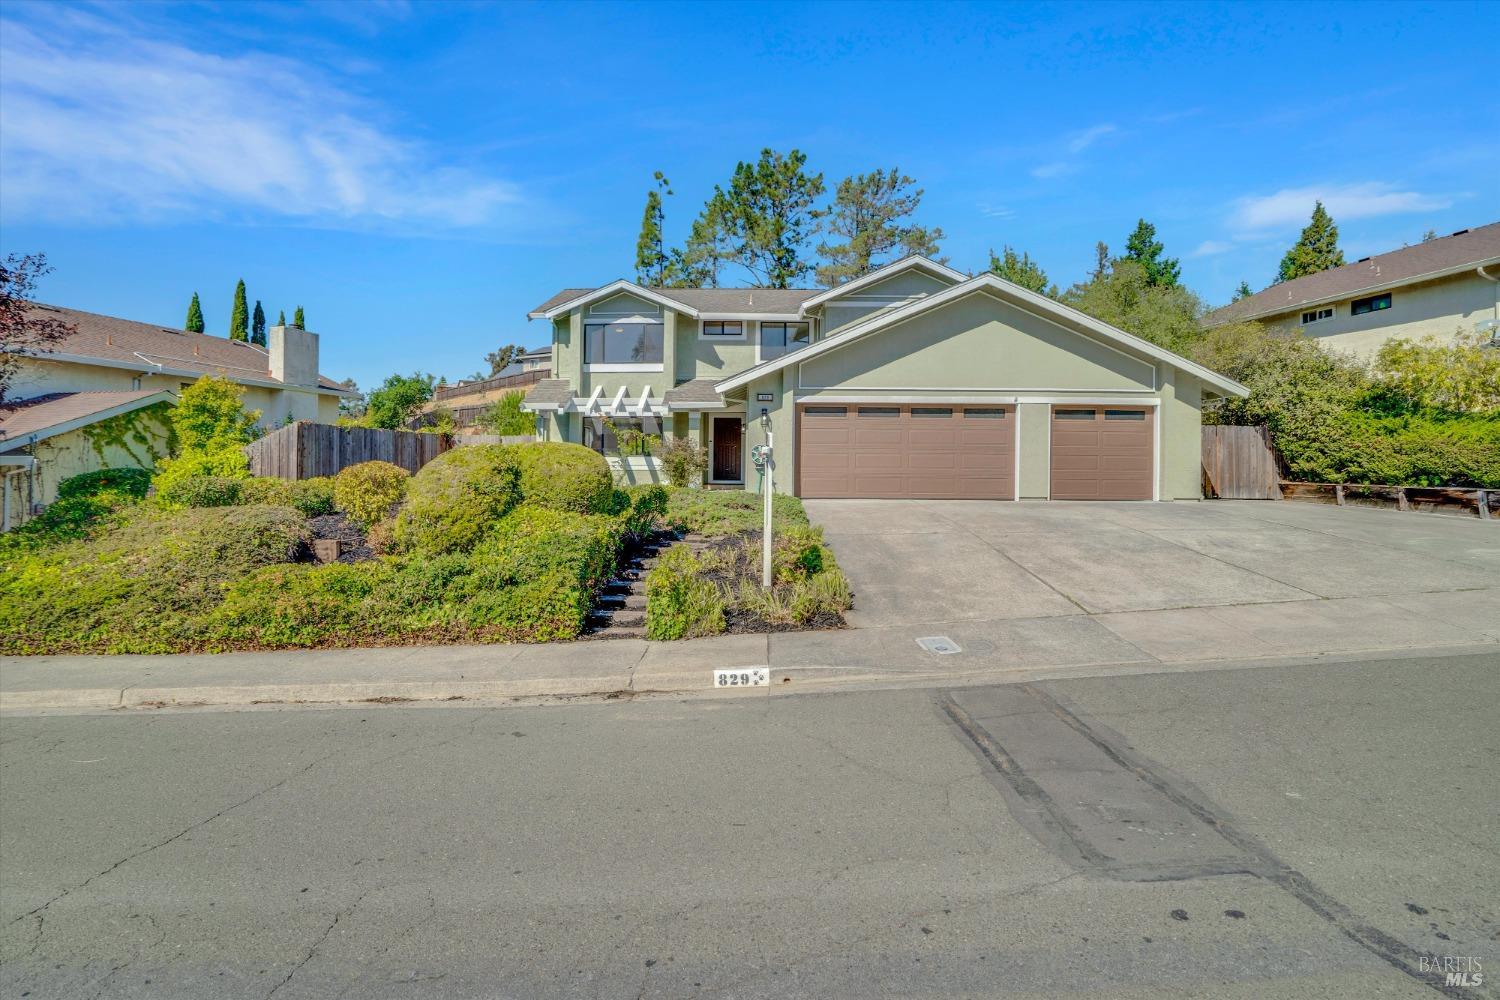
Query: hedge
(367,491)
(128,482)
(564,477)
(455,499)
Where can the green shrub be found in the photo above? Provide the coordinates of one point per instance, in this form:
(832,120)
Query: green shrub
(684,461)
(457,498)
(796,553)
(128,482)
(729,512)
(506,418)
(199,491)
(681,603)
(310,497)
(564,477)
(643,509)
(147,586)
(228,462)
(368,491)
(67,520)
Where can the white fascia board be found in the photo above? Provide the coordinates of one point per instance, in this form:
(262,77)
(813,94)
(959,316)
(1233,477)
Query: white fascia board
(1291,305)
(880,274)
(748,317)
(1030,301)
(614,288)
(32,437)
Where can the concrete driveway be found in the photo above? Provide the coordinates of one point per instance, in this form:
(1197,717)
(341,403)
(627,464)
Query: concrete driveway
(1178,581)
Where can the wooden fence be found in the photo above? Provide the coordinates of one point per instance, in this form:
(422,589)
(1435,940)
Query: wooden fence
(1239,463)
(305,450)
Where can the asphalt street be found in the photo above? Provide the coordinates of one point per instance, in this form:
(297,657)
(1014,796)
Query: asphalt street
(1315,830)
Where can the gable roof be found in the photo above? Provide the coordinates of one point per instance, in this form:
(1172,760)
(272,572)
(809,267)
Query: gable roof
(1463,250)
(1030,301)
(126,343)
(695,302)
(56,413)
(914,262)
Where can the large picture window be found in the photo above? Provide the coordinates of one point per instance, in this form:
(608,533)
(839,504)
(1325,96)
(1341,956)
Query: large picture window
(623,343)
(777,339)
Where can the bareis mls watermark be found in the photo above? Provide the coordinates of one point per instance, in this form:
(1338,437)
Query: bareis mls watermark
(1456,970)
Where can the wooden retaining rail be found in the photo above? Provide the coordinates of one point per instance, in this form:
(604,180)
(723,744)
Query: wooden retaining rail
(1481,503)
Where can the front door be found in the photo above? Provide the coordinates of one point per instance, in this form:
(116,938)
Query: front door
(727,444)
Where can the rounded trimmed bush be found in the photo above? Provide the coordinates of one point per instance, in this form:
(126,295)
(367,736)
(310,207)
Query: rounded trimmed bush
(199,491)
(368,491)
(130,482)
(457,498)
(564,477)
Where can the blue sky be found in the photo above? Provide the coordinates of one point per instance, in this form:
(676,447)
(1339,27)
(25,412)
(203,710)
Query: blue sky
(418,176)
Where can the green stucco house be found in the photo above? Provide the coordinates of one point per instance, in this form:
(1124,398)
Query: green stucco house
(915,381)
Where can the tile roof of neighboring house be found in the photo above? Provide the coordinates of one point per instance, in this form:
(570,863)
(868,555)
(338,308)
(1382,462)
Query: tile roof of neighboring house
(549,394)
(114,339)
(751,301)
(1467,248)
(55,409)
(697,391)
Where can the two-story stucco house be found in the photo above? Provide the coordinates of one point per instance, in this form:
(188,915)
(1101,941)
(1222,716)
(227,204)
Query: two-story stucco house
(913,381)
(62,399)
(1439,288)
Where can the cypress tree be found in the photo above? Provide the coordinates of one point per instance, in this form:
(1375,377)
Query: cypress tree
(258,325)
(239,317)
(1317,249)
(298,320)
(194,322)
(281,318)
(650,253)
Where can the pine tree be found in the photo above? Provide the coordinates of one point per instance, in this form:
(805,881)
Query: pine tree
(1021,270)
(650,253)
(1101,261)
(1242,292)
(1429,236)
(258,325)
(1144,248)
(298,320)
(868,212)
(281,318)
(239,317)
(768,214)
(1317,249)
(707,250)
(194,323)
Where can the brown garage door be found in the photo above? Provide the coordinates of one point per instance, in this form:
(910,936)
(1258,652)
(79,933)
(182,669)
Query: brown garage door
(1102,453)
(932,452)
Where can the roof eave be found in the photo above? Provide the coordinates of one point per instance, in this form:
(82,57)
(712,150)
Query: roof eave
(613,288)
(1293,306)
(907,263)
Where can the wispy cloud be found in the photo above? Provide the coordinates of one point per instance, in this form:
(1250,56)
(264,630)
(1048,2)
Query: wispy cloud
(1057,168)
(1292,206)
(104,123)
(1080,141)
(994,211)
(1209,248)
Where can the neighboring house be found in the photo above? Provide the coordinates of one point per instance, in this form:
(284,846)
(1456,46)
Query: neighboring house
(913,381)
(96,398)
(467,400)
(1441,288)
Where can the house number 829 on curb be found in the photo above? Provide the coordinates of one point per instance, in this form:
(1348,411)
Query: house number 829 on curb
(746,677)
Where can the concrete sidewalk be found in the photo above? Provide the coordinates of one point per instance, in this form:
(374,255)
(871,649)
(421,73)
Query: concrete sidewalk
(990,650)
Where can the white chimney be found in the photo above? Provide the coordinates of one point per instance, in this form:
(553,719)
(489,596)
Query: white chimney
(294,355)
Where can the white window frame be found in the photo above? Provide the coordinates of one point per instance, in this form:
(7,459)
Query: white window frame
(1318,315)
(606,367)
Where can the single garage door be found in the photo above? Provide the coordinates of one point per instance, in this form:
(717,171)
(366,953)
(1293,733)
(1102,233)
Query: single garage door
(1102,453)
(930,452)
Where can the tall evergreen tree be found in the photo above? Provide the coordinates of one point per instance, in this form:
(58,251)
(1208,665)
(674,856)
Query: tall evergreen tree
(239,317)
(1242,292)
(1143,247)
(1317,249)
(299,320)
(869,213)
(1021,270)
(1429,236)
(768,212)
(1101,261)
(281,318)
(258,325)
(194,322)
(708,248)
(650,252)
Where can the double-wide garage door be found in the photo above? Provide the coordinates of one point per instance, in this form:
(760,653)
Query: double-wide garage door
(931,452)
(958,452)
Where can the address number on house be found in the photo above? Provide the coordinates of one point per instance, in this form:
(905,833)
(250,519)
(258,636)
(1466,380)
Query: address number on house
(744,677)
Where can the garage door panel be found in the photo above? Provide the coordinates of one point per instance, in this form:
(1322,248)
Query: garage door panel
(1103,453)
(889,452)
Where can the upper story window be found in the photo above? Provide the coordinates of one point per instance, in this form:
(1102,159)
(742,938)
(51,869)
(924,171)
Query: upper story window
(1374,303)
(1313,315)
(727,329)
(623,343)
(777,339)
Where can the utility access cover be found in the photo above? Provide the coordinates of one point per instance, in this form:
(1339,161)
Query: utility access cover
(939,644)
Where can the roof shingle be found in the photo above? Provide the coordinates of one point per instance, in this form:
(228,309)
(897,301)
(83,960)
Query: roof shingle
(43,412)
(697,392)
(549,394)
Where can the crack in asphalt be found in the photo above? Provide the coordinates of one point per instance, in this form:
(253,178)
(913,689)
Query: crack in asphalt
(1264,865)
(313,948)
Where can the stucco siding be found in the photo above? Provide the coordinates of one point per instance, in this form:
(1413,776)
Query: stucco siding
(74,453)
(882,296)
(1179,423)
(1034,441)
(1436,308)
(979,342)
